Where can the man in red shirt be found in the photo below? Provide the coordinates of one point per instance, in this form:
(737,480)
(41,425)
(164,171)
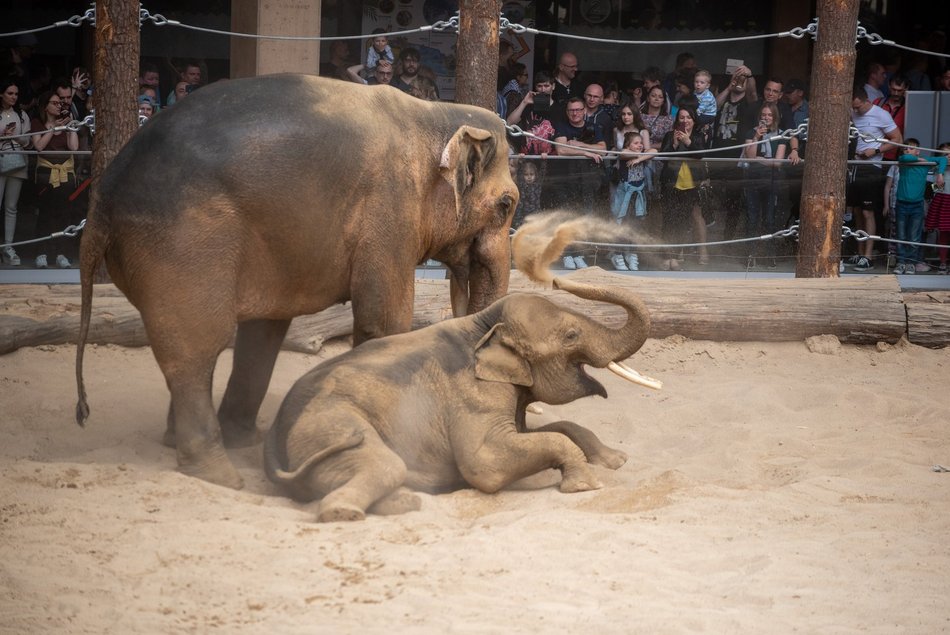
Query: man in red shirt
(894,106)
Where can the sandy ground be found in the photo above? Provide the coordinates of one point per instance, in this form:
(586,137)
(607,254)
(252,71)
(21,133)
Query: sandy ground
(770,489)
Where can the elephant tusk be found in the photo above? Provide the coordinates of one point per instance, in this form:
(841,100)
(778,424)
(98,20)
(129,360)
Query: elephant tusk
(631,375)
(534,409)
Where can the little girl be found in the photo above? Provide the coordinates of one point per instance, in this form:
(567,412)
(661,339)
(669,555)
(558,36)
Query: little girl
(528,180)
(631,187)
(938,214)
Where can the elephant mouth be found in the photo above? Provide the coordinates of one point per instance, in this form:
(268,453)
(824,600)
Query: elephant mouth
(622,370)
(591,385)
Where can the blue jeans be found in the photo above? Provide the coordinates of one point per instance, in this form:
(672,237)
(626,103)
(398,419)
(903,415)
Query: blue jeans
(909,218)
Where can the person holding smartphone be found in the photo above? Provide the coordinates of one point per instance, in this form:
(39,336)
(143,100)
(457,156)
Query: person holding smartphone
(15,127)
(681,179)
(55,179)
(761,187)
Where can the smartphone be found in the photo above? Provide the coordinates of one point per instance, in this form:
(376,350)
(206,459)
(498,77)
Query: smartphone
(679,126)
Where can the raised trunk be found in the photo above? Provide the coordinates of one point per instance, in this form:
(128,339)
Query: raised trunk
(615,344)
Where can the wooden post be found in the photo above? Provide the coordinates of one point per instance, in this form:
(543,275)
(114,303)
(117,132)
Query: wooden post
(116,69)
(477,69)
(823,187)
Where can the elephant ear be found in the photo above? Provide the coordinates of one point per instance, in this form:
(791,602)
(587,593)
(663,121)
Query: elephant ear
(495,361)
(463,158)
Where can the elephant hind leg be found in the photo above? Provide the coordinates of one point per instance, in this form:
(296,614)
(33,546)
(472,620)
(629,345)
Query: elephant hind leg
(255,351)
(186,352)
(379,474)
(398,502)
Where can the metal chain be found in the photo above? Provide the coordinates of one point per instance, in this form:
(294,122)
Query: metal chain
(445,25)
(799,32)
(77,20)
(506,25)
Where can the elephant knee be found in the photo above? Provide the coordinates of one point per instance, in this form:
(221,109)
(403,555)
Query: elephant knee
(486,476)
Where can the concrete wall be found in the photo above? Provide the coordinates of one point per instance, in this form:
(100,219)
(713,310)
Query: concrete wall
(250,56)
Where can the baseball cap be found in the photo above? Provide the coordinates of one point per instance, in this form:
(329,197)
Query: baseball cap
(793,85)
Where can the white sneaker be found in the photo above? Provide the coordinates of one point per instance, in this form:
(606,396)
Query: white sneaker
(618,263)
(841,267)
(910,269)
(633,262)
(899,269)
(41,262)
(579,262)
(10,256)
(63,262)
(569,263)
(922,267)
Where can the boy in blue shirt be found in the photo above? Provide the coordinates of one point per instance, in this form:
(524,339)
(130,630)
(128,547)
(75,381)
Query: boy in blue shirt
(909,211)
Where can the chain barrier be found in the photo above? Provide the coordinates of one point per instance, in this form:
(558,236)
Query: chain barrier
(160,20)
(453,25)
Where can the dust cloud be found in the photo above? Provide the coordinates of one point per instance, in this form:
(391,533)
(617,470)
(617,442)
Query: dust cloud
(541,240)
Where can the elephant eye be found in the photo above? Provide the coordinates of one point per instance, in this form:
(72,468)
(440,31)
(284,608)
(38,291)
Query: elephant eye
(570,337)
(505,205)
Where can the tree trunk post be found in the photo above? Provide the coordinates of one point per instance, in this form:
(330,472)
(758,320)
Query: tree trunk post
(825,178)
(477,68)
(117,48)
(116,73)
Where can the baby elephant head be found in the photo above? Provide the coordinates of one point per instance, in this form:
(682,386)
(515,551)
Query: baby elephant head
(539,345)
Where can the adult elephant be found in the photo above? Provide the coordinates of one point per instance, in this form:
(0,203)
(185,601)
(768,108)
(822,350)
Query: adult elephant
(444,406)
(256,200)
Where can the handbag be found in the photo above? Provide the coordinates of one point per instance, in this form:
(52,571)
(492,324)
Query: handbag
(11,161)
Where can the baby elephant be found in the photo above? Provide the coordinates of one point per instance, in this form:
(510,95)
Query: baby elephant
(444,406)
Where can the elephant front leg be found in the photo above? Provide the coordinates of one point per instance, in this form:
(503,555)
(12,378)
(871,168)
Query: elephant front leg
(595,451)
(255,351)
(502,456)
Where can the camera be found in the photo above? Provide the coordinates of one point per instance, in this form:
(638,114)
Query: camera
(542,102)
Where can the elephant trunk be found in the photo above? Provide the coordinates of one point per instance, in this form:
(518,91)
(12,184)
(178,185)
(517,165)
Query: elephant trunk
(615,344)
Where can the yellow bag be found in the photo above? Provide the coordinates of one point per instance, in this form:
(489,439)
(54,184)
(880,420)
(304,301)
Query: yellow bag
(684,180)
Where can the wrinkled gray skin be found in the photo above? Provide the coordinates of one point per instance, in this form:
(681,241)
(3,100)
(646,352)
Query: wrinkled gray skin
(444,407)
(257,200)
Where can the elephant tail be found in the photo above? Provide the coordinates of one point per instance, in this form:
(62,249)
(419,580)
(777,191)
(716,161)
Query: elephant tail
(95,239)
(282,477)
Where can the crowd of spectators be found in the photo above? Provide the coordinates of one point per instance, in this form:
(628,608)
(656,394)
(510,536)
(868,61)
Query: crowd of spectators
(728,166)
(730,163)
(45,172)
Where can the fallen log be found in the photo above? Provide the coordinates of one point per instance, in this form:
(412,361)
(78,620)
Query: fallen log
(856,309)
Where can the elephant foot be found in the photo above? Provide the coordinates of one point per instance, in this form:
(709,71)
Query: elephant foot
(340,513)
(219,471)
(168,440)
(235,436)
(578,478)
(608,457)
(399,502)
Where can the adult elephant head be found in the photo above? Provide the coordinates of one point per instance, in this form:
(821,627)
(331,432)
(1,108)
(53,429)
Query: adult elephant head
(479,263)
(544,347)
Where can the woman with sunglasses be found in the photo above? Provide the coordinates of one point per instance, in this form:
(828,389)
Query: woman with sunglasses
(55,180)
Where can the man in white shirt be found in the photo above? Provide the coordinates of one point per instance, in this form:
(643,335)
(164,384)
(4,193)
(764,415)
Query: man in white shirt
(866,192)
